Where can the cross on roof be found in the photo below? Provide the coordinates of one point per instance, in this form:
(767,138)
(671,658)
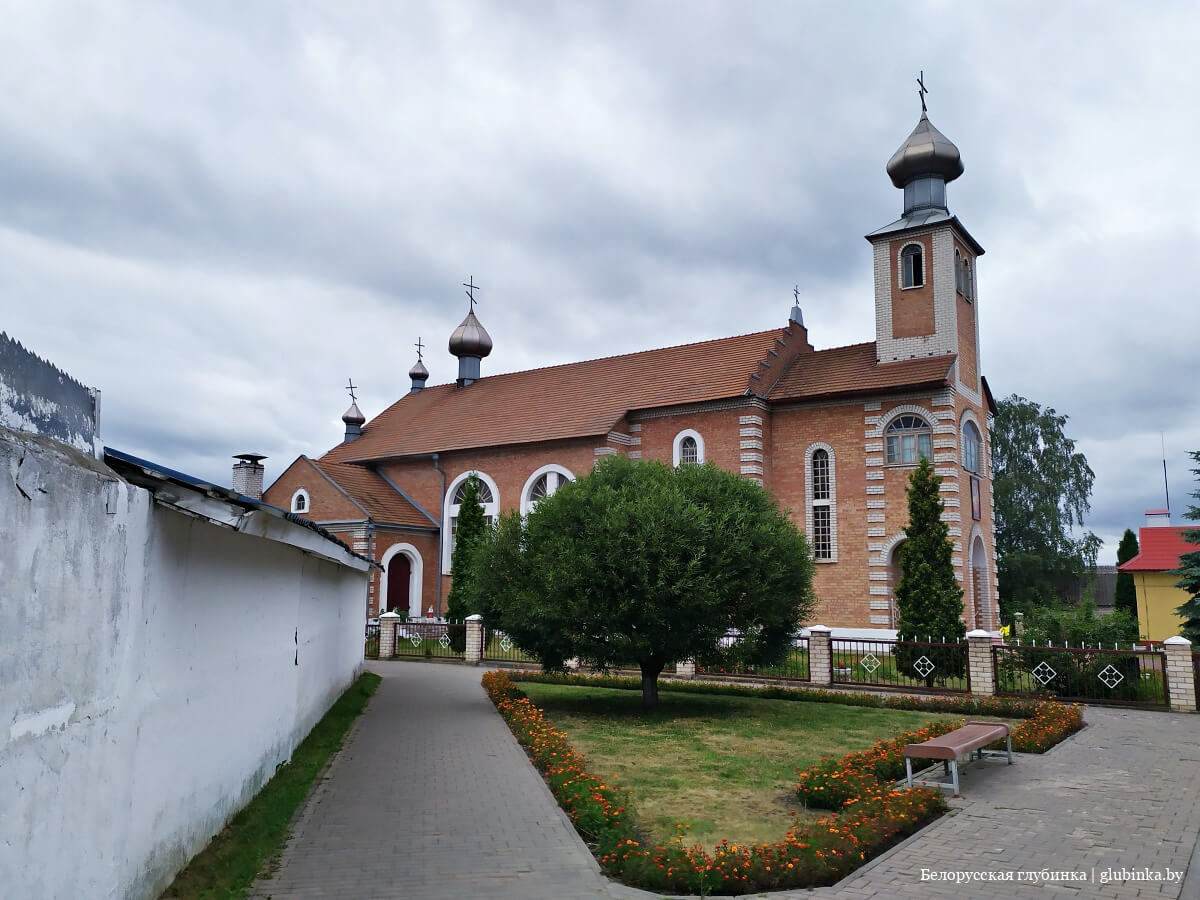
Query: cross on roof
(351,386)
(472,287)
(796,294)
(419,347)
(922,90)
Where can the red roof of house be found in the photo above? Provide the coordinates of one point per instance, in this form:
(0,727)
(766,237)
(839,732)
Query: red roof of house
(373,495)
(592,397)
(1159,549)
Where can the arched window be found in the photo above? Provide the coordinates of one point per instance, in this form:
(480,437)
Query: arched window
(966,279)
(958,272)
(300,501)
(908,439)
(912,268)
(972,447)
(542,483)
(488,499)
(822,502)
(688,448)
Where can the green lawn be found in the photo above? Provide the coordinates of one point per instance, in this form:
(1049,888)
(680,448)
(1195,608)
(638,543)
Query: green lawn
(725,765)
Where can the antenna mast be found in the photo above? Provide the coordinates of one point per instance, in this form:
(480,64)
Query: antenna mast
(1166,489)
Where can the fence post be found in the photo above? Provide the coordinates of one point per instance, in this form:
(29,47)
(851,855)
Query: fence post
(979,659)
(474,654)
(685,669)
(820,655)
(387,635)
(1181,676)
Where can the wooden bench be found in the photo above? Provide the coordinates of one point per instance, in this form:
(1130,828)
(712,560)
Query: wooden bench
(972,737)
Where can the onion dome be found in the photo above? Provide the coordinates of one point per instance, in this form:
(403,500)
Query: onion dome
(470,338)
(354,416)
(418,372)
(927,152)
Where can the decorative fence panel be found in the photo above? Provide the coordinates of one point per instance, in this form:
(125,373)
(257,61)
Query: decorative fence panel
(793,667)
(371,647)
(432,640)
(498,647)
(909,665)
(1091,675)
(1196,676)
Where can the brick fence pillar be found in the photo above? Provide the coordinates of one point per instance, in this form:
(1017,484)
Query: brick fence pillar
(685,669)
(474,654)
(979,659)
(1181,676)
(388,623)
(820,655)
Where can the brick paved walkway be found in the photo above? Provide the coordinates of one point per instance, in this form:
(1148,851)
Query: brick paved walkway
(433,798)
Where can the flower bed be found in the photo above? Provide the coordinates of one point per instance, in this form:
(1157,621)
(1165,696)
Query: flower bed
(872,817)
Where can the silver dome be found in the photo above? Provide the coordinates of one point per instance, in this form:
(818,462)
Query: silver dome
(353,416)
(418,372)
(926,152)
(470,338)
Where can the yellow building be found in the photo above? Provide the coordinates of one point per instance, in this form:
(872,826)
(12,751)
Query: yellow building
(1159,547)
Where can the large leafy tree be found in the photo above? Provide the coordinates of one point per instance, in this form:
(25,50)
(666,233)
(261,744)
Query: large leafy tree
(1041,486)
(929,597)
(469,532)
(1126,593)
(1189,568)
(640,564)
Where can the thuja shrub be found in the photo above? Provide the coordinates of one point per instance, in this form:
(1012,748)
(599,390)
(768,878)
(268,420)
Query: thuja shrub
(868,820)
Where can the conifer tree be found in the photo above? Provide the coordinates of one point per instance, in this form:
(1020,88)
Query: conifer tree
(928,596)
(1189,568)
(1126,596)
(468,532)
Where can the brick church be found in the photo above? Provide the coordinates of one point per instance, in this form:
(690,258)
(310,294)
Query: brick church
(833,434)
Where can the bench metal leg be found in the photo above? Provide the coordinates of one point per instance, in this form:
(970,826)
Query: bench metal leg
(908,769)
(1008,747)
(954,771)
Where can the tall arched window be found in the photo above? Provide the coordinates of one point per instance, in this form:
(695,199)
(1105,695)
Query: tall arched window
(542,483)
(972,447)
(908,439)
(488,499)
(958,272)
(966,279)
(821,488)
(300,501)
(912,267)
(688,448)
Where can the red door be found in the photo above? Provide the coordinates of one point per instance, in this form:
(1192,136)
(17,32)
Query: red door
(399,570)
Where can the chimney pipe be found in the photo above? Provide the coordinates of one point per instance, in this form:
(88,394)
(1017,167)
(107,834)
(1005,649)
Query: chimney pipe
(248,475)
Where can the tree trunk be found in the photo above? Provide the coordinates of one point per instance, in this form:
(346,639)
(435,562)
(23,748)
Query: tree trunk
(650,673)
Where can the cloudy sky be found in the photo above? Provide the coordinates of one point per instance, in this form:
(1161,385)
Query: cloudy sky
(217,212)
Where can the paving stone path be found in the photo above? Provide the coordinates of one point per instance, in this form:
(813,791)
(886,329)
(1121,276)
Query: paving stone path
(432,798)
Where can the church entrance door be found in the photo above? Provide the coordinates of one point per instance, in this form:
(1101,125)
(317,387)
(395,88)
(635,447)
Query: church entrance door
(399,575)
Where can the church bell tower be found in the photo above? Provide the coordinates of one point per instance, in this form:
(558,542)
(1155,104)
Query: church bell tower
(925,297)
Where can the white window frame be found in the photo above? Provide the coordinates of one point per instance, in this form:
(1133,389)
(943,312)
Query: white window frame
(915,433)
(924,266)
(301,492)
(450,511)
(970,420)
(415,577)
(564,474)
(676,446)
(830,502)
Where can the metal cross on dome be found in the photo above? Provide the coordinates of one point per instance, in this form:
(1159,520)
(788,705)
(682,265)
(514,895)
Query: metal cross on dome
(419,347)
(472,287)
(796,294)
(351,387)
(922,90)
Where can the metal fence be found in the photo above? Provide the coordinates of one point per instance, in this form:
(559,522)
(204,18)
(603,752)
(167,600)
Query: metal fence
(371,648)
(1196,675)
(499,647)
(911,665)
(431,640)
(793,667)
(1137,676)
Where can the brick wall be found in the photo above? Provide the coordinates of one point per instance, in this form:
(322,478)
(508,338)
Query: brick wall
(325,502)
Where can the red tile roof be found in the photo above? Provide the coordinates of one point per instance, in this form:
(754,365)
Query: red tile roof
(572,400)
(854,370)
(1159,549)
(374,495)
